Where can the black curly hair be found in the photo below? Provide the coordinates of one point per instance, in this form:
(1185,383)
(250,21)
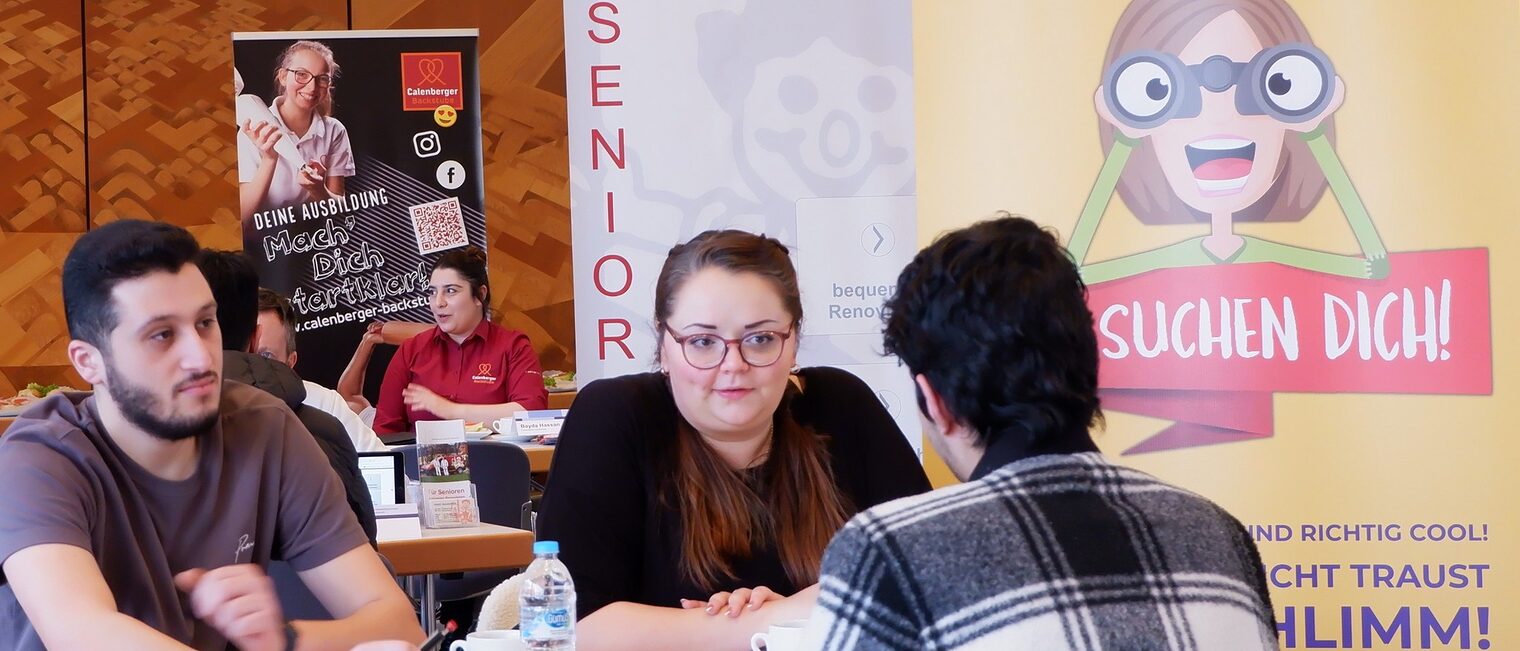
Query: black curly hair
(112,254)
(995,316)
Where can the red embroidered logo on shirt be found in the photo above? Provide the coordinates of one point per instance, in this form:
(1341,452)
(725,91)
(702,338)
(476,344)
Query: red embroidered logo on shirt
(483,375)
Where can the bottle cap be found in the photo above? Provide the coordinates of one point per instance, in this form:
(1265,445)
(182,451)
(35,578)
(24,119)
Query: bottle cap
(546,547)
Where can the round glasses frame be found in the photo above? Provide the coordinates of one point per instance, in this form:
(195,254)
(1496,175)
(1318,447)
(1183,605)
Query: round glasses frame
(731,343)
(303,77)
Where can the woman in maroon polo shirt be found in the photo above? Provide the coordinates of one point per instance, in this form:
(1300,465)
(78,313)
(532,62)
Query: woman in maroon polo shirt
(467,367)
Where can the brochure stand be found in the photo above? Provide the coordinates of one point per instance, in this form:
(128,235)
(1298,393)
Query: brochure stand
(443,466)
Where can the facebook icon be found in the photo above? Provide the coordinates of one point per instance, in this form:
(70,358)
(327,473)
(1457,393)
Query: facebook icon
(450,174)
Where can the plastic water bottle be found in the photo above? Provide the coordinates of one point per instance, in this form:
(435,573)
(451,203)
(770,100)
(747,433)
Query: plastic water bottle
(548,601)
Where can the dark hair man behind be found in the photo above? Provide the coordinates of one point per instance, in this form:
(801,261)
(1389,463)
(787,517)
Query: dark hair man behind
(142,516)
(275,339)
(235,284)
(1047,545)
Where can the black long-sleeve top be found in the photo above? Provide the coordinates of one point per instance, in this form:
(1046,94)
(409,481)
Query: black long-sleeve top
(623,543)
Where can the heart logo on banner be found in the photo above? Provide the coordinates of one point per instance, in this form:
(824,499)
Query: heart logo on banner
(432,71)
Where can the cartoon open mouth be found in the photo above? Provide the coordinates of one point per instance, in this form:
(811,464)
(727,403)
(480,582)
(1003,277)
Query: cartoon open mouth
(1221,165)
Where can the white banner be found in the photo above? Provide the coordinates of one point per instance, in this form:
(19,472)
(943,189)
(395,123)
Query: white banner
(789,118)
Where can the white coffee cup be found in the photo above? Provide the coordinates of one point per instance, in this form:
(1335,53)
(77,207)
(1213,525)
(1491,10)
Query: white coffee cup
(781,636)
(490,641)
(502,426)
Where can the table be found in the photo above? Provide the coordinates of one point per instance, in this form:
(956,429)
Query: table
(539,456)
(561,399)
(413,551)
(5,423)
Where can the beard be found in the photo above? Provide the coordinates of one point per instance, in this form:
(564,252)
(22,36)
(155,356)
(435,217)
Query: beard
(141,408)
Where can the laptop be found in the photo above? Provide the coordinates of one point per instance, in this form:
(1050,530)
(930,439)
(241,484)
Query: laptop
(385,477)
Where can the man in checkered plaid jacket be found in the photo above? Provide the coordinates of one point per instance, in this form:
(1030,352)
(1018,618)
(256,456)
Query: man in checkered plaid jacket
(1047,545)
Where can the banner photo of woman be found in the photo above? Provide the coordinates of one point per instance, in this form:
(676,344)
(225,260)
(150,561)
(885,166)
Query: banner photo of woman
(359,163)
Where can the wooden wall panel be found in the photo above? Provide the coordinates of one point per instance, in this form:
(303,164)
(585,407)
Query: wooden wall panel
(144,94)
(159,81)
(33,334)
(41,117)
(42,184)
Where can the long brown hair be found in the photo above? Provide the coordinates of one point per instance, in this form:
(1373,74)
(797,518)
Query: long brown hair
(1168,26)
(721,514)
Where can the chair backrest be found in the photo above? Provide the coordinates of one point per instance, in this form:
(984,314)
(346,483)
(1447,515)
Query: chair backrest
(408,462)
(501,476)
(296,601)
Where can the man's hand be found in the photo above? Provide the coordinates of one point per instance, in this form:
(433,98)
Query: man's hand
(239,602)
(374,333)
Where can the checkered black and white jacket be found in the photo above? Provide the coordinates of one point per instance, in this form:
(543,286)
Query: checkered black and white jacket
(1062,551)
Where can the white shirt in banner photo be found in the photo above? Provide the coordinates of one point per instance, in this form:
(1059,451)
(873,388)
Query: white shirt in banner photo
(325,142)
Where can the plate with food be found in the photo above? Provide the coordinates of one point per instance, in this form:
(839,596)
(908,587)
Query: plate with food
(559,381)
(14,405)
(475,431)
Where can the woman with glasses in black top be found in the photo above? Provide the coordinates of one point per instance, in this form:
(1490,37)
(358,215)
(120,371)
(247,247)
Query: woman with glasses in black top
(693,505)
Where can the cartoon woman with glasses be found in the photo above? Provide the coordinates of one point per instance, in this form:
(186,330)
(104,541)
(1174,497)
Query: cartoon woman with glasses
(302,113)
(1223,110)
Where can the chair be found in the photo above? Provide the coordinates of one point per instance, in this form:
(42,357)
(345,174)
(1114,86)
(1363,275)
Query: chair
(296,601)
(501,476)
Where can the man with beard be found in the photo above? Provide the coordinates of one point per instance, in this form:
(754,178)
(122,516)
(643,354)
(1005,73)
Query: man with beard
(142,516)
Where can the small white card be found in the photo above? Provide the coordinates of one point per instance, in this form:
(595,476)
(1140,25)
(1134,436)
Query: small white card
(439,431)
(405,510)
(541,422)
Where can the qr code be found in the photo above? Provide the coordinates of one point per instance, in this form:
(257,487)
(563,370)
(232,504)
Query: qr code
(439,225)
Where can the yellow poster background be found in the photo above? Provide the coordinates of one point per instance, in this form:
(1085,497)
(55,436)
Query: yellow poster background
(1430,134)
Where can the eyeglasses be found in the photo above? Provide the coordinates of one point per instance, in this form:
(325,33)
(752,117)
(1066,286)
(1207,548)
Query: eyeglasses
(303,77)
(705,350)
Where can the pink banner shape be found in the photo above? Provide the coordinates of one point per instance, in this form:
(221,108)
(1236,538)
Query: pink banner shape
(1208,346)
(1270,328)
(1202,417)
